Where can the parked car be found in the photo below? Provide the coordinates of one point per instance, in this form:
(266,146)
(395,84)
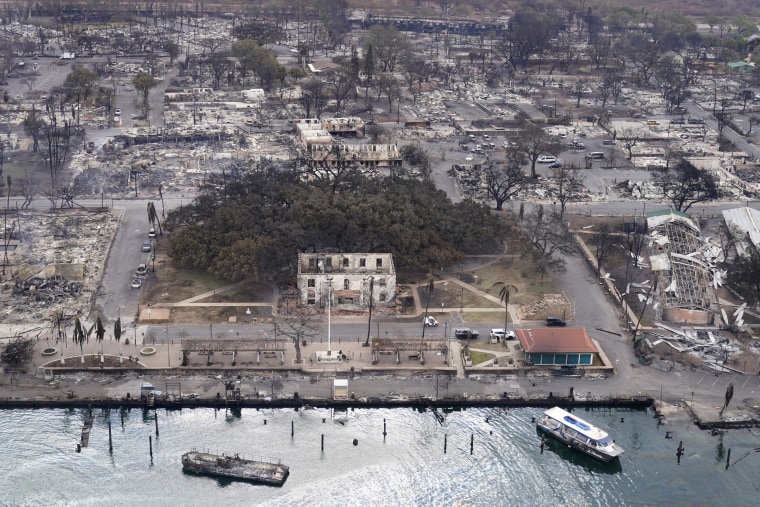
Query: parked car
(499,334)
(555,165)
(117,111)
(464,333)
(555,322)
(146,247)
(136,283)
(546,159)
(430,321)
(142,269)
(608,142)
(152,233)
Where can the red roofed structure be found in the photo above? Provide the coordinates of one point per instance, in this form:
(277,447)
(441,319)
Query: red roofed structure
(557,346)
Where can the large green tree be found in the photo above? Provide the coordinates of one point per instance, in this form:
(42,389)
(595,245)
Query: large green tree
(259,222)
(144,83)
(80,82)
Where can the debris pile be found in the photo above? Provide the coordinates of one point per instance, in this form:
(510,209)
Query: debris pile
(57,264)
(556,305)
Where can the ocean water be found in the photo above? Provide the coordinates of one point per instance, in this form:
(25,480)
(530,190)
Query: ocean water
(39,464)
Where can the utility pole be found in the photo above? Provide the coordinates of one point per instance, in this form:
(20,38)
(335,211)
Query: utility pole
(369,322)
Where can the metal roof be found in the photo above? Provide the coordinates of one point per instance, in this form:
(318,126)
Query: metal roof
(556,340)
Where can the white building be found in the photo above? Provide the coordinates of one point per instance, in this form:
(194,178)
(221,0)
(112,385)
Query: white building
(354,277)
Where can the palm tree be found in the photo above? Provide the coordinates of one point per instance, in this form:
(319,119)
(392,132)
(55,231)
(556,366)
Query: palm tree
(430,287)
(79,336)
(504,294)
(153,217)
(117,335)
(100,332)
(60,330)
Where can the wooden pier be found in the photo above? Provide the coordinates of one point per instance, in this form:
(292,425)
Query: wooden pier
(86,431)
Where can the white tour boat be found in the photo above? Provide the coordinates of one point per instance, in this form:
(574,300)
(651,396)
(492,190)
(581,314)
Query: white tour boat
(579,434)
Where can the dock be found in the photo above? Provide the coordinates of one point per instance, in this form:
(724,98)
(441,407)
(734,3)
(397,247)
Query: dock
(86,431)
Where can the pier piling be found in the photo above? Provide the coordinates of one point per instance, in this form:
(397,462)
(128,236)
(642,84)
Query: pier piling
(384,430)
(445,442)
(156,423)
(150,446)
(728,459)
(110,441)
(472,442)
(292,429)
(323,442)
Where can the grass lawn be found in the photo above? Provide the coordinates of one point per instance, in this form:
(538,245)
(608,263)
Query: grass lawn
(480,357)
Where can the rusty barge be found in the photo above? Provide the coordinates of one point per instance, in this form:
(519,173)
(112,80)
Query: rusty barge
(235,467)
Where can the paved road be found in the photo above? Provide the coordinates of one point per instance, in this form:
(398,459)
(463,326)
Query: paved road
(739,141)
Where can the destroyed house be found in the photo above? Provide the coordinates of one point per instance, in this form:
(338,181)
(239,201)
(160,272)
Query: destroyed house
(362,155)
(681,258)
(354,278)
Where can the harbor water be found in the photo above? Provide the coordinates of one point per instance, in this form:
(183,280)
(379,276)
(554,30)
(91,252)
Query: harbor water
(420,461)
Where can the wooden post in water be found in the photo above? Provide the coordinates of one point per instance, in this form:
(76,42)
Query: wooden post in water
(150,444)
(110,441)
(323,442)
(384,430)
(472,442)
(292,429)
(122,417)
(728,459)
(445,442)
(156,423)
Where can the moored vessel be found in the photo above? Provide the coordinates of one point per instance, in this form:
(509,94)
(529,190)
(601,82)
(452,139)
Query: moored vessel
(235,467)
(579,434)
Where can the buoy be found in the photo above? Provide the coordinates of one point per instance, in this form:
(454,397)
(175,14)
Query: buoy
(79,448)
(356,441)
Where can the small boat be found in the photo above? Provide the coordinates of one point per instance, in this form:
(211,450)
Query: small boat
(579,434)
(235,467)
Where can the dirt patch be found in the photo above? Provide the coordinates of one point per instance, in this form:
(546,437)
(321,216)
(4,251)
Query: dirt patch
(557,305)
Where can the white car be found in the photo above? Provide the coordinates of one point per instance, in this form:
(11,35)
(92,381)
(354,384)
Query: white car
(546,159)
(430,321)
(500,334)
(117,111)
